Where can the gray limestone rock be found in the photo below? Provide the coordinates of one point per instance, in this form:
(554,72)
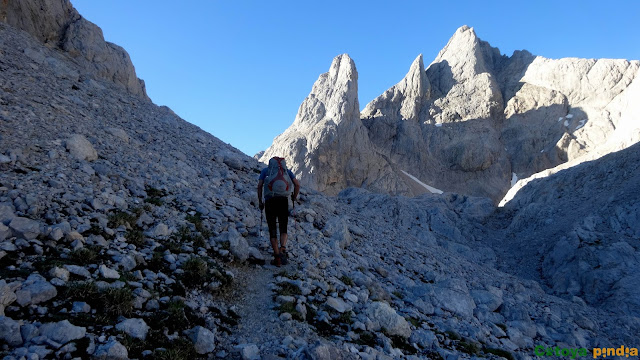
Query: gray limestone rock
(7,295)
(80,148)
(10,331)
(78,270)
(338,304)
(111,350)
(325,351)
(62,332)
(57,24)
(453,295)
(238,244)
(27,228)
(36,289)
(5,232)
(250,352)
(384,316)
(203,339)
(136,328)
(108,273)
(327,147)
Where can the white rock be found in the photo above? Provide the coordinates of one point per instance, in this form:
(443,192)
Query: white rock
(35,290)
(136,328)
(250,352)
(203,339)
(62,332)
(338,304)
(80,148)
(27,228)
(384,316)
(10,331)
(108,273)
(112,350)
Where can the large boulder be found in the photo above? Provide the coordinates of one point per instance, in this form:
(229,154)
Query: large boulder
(62,332)
(27,228)
(35,290)
(203,339)
(385,317)
(10,331)
(136,328)
(80,148)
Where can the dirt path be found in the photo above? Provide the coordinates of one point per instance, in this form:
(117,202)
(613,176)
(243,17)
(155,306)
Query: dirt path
(259,321)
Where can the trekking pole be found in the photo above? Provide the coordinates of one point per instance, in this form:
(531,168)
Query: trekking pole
(295,224)
(260,223)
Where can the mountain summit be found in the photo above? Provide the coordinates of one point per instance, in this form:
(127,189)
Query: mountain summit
(474,120)
(327,140)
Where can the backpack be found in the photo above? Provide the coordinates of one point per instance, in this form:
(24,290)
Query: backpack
(277,182)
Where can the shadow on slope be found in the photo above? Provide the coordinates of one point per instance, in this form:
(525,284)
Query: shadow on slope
(578,230)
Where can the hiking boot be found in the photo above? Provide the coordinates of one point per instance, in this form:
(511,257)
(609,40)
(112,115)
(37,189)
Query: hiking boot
(277,261)
(284,256)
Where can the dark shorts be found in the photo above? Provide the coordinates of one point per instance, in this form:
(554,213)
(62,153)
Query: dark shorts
(277,208)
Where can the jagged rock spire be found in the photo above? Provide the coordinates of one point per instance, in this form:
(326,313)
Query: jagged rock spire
(405,99)
(327,146)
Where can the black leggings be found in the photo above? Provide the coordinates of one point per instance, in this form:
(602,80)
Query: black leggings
(277,207)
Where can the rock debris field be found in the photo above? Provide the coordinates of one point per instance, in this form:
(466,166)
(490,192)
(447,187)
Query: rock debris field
(126,232)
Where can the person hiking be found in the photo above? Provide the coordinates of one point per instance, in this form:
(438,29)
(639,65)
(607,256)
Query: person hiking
(277,183)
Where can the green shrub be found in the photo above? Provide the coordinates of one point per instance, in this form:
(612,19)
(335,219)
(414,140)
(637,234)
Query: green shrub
(288,289)
(122,218)
(178,349)
(346,280)
(117,302)
(503,353)
(154,200)
(135,237)
(84,256)
(196,272)
(290,307)
(469,347)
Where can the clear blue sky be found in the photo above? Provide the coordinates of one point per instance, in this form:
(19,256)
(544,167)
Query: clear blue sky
(240,69)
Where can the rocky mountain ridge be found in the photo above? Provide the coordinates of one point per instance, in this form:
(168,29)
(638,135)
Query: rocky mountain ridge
(58,25)
(474,119)
(126,232)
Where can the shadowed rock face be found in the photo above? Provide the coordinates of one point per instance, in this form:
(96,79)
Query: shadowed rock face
(56,23)
(474,117)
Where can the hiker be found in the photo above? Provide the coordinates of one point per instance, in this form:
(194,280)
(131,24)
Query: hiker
(278,184)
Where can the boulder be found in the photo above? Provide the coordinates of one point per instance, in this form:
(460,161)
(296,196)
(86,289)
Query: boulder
(24,227)
(10,331)
(35,290)
(7,296)
(111,350)
(384,316)
(136,328)
(203,339)
(62,332)
(80,148)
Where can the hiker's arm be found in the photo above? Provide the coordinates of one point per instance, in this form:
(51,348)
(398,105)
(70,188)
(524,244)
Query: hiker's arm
(296,189)
(260,183)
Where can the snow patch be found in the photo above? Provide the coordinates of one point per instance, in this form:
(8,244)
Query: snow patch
(438,124)
(430,188)
(560,119)
(566,122)
(569,116)
(581,124)
(514,178)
